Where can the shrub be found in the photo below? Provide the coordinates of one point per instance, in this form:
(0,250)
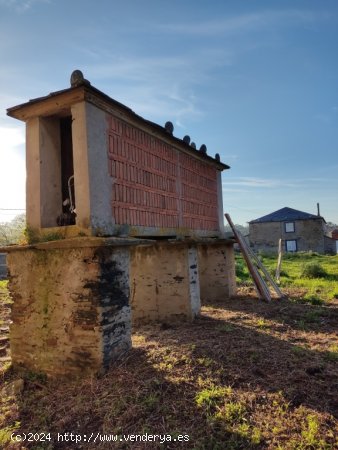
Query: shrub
(313,270)
(313,299)
(241,270)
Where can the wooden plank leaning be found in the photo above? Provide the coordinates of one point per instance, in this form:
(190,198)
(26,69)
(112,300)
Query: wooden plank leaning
(266,273)
(262,288)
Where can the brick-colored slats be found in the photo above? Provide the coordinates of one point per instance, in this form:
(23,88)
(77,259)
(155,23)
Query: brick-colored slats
(153,182)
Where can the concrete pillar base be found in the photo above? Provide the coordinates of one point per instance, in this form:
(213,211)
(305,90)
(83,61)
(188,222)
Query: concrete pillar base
(74,300)
(164,283)
(217,274)
(71,310)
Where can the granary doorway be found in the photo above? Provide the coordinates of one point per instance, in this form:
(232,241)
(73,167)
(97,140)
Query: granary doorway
(67,173)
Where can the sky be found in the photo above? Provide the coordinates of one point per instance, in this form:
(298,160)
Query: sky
(255,81)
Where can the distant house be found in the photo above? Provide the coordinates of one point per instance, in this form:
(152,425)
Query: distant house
(299,231)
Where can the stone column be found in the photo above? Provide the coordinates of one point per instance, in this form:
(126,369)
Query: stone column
(43,162)
(164,283)
(217,275)
(71,309)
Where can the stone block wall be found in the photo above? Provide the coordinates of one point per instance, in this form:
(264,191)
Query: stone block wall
(74,300)
(71,309)
(164,282)
(217,275)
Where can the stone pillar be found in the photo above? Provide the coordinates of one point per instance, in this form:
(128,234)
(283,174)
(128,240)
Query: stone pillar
(217,275)
(93,184)
(43,161)
(164,282)
(71,309)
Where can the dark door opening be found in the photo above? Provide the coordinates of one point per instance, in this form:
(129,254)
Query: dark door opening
(68,216)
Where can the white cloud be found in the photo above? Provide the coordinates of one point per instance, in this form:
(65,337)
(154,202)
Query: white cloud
(245,22)
(21,6)
(254,182)
(234,190)
(12,172)
(300,184)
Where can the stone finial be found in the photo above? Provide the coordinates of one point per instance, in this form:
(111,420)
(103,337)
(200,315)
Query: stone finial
(193,145)
(169,127)
(186,139)
(77,79)
(203,149)
(217,157)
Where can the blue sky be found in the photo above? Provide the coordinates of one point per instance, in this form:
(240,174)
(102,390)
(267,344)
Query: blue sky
(256,81)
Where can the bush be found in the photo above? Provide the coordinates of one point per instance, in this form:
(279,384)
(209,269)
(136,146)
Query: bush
(241,270)
(313,299)
(313,270)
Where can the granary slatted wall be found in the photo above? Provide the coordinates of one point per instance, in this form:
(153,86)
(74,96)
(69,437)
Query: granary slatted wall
(156,185)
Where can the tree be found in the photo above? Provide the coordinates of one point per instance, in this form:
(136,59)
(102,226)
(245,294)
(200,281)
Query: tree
(12,232)
(243,229)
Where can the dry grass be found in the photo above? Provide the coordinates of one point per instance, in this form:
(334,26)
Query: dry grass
(246,375)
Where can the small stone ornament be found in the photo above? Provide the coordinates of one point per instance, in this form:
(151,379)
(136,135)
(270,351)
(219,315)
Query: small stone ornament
(77,79)
(169,127)
(203,149)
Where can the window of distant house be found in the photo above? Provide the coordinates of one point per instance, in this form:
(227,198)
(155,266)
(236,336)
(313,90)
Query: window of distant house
(291,245)
(289,227)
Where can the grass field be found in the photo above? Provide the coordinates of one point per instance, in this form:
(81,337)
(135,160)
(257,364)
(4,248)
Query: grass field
(245,375)
(308,277)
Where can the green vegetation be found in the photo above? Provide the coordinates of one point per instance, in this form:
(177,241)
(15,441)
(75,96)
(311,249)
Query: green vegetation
(16,232)
(307,277)
(12,232)
(313,270)
(4,294)
(210,396)
(34,236)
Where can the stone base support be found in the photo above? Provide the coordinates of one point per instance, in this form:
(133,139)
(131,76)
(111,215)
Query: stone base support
(217,276)
(70,311)
(164,282)
(74,300)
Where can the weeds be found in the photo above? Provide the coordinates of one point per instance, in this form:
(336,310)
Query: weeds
(34,236)
(310,435)
(210,397)
(6,432)
(313,299)
(232,412)
(332,353)
(313,270)
(262,324)
(316,275)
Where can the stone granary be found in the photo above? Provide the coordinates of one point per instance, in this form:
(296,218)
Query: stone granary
(126,226)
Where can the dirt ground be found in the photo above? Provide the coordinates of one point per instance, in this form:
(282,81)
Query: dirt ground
(244,375)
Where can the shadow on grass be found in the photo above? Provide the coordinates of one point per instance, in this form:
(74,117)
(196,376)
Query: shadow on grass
(134,397)
(296,314)
(245,357)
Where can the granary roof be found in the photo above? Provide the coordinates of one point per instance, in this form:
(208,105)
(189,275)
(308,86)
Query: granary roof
(81,90)
(286,214)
